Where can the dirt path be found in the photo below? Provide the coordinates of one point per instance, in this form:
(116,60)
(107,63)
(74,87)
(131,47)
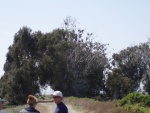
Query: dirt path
(49,108)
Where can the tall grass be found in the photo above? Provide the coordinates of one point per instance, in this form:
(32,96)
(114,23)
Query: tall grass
(14,109)
(92,106)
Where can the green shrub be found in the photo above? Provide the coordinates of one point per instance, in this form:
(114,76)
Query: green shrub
(135,102)
(135,98)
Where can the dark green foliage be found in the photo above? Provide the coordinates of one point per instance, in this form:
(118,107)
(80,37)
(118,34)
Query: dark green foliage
(61,59)
(134,63)
(118,85)
(20,78)
(68,60)
(70,64)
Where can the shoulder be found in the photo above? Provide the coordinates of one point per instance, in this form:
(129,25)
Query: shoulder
(35,111)
(2,112)
(29,110)
(23,111)
(63,107)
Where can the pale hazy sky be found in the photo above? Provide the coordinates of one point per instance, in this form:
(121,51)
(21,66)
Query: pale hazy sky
(120,23)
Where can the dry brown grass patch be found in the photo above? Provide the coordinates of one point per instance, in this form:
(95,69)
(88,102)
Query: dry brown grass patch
(92,106)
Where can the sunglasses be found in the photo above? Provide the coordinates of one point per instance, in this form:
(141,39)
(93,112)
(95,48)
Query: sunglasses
(55,97)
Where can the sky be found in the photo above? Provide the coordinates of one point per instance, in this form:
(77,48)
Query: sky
(119,23)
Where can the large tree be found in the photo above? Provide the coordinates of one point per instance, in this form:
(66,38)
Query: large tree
(76,64)
(134,63)
(66,59)
(20,78)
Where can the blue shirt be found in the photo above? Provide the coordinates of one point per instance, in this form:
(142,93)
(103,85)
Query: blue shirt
(61,108)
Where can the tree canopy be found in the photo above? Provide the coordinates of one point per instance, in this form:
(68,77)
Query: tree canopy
(63,59)
(67,59)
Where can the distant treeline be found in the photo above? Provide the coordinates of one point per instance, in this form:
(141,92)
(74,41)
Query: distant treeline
(67,59)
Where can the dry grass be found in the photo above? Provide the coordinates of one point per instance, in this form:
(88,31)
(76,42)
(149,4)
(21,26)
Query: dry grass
(92,106)
(14,109)
(41,108)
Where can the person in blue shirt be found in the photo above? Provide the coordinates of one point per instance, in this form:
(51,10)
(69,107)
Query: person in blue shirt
(1,105)
(61,107)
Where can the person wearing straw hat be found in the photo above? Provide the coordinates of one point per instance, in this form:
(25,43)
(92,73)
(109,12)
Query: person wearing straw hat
(1,105)
(32,102)
(61,107)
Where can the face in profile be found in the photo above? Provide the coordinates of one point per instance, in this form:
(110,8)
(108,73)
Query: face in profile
(57,99)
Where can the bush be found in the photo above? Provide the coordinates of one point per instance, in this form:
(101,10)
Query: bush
(135,102)
(135,98)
